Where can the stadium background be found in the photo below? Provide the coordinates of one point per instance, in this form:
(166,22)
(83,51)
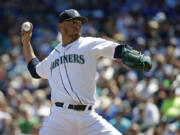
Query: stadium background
(133,102)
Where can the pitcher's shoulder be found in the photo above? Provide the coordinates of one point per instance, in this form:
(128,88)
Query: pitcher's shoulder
(91,40)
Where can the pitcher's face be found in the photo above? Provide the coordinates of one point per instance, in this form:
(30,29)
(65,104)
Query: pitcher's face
(72,28)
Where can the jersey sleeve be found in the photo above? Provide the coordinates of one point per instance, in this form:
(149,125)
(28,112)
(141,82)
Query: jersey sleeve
(102,47)
(43,68)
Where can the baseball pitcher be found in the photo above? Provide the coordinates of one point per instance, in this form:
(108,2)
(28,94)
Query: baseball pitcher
(70,69)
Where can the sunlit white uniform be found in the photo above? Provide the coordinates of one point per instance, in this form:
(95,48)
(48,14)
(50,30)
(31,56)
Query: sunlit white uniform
(71,72)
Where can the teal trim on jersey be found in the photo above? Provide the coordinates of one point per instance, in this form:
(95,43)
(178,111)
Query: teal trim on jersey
(70,82)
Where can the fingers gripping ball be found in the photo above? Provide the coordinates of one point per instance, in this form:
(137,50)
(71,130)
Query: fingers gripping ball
(135,59)
(26,26)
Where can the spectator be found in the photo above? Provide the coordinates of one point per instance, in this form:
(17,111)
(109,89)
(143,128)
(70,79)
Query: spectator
(171,105)
(120,122)
(26,123)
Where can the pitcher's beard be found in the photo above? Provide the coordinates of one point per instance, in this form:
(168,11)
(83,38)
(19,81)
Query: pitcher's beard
(75,37)
(72,35)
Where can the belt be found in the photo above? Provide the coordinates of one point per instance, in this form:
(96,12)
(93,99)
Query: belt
(74,107)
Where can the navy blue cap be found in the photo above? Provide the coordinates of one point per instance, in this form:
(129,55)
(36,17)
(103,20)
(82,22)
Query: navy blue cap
(71,14)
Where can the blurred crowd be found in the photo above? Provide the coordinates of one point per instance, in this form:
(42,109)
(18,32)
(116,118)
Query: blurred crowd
(136,103)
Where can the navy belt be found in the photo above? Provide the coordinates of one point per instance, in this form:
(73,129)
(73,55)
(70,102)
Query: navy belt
(74,107)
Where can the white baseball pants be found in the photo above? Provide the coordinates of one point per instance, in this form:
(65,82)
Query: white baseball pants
(63,121)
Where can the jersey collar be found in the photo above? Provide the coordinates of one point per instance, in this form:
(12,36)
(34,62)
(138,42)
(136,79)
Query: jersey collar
(74,43)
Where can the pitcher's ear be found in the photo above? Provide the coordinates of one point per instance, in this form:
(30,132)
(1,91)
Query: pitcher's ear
(59,25)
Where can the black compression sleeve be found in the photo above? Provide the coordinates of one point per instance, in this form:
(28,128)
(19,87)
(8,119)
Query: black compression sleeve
(32,67)
(118,51)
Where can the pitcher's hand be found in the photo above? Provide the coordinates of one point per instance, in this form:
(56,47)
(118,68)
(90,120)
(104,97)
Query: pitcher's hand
(26,36)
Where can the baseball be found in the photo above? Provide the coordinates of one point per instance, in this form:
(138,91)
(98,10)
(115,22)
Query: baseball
(26,26)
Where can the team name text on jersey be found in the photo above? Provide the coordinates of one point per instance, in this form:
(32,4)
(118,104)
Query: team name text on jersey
(70,58)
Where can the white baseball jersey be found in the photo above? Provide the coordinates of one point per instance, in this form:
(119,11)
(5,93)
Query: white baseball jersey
(71,70)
